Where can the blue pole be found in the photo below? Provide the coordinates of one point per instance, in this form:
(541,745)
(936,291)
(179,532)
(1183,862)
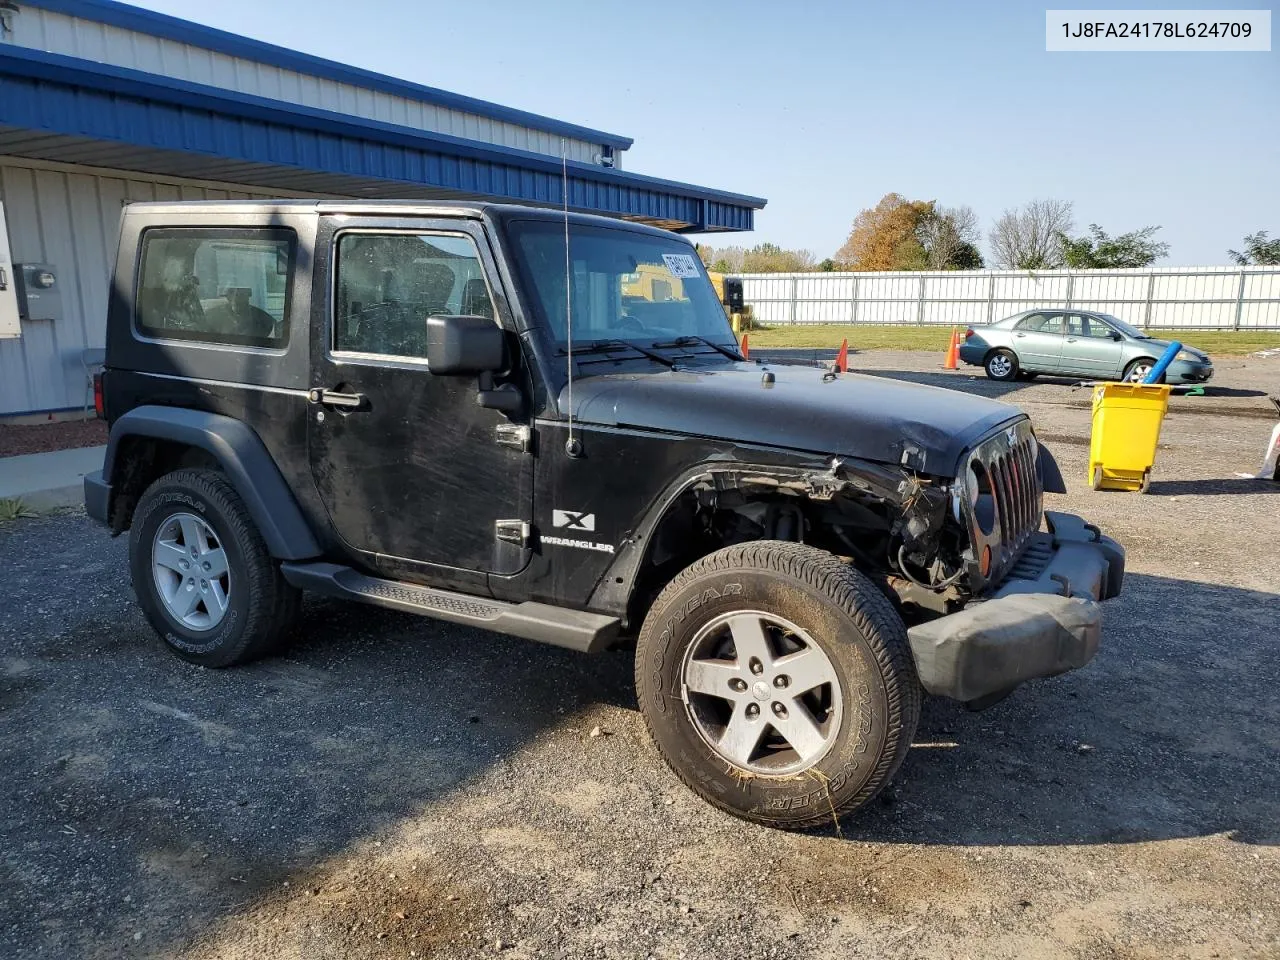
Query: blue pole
(1166,358)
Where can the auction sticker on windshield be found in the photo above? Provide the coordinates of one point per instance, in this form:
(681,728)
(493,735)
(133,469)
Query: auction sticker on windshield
(681,265)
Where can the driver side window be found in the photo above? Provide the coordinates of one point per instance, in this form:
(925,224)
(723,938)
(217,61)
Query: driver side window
(1095,328)
(388,284)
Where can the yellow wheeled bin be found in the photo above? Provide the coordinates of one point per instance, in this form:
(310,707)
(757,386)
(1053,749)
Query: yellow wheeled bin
(1126,432)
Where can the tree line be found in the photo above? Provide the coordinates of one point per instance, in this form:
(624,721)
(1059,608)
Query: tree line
(902,234)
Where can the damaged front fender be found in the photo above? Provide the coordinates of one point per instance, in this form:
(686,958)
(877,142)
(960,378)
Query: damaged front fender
(874,490)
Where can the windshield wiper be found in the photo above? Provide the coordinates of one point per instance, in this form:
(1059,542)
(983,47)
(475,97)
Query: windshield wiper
(605,346)
(689,338)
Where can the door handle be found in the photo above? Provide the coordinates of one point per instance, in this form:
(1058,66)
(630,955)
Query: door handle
(4,279)
(332,398)
(1019,334)
(1071,339)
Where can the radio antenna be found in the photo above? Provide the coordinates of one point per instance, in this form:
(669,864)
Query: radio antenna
(571,445)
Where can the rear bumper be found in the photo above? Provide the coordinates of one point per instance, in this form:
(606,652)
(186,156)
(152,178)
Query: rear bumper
(1045,619)
(973,353)
(97,497)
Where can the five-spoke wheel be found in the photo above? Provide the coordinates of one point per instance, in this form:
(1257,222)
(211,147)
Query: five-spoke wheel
(190,571)
(203,574)
(777,682)
(761,693)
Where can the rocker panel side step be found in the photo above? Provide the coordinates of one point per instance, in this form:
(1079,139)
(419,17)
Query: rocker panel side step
(561,627)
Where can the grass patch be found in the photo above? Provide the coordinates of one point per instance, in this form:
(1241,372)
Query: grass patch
(1217,343)
(12,508)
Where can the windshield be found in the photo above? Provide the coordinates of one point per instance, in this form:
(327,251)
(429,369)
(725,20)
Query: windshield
(625,285)
(1123,327)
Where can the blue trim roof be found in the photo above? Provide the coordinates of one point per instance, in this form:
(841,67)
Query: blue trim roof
(81,99)
(184,31)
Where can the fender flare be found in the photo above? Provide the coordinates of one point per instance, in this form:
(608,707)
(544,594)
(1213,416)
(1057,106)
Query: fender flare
(243,458)
(1051,480)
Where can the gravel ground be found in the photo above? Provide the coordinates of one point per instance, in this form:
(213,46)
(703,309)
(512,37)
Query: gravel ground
(17,439)
(393,787)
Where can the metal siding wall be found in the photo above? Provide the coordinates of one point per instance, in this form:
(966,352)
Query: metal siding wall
(90,40)
(1192,298)
(70,220)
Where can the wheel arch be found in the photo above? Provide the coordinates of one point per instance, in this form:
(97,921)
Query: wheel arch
(1129,364)
(636,574)
(149,441)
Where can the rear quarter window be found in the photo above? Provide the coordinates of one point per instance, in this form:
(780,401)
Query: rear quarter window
(216,285)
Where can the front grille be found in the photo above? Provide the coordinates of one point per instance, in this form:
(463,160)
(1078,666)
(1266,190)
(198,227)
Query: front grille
(1009,494)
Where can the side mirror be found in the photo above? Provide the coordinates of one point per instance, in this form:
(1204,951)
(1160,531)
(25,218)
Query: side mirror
(465,346)
(1116,335)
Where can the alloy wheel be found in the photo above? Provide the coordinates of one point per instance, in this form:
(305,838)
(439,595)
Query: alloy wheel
(761,693)
(189,568)
(1139,372)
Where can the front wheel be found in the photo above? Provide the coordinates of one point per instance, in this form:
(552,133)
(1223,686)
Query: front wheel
(777,683)
(1137,371)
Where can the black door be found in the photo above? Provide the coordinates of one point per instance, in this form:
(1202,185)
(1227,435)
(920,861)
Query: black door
(408,466)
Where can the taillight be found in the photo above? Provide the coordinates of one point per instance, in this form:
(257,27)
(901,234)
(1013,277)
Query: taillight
(968,334)
(99,405)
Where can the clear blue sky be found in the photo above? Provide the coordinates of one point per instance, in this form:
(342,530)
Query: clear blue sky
(824,107)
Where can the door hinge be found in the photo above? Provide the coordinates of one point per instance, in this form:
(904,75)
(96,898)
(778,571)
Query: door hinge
(512,531)
(516,435)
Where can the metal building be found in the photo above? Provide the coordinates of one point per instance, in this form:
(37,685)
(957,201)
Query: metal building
(102,103)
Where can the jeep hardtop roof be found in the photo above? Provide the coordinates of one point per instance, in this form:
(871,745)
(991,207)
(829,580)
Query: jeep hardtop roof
(472,209)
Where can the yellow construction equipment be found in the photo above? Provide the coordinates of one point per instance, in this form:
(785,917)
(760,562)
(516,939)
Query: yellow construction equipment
(655,284)
(729,292)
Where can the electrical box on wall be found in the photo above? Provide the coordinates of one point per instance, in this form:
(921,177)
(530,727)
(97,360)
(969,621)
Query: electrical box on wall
(9,324)
(39,295)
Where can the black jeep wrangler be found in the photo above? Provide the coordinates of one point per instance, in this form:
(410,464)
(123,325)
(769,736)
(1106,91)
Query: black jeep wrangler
(541,425)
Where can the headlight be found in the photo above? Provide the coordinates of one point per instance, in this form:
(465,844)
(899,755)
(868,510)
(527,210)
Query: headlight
(1188,355)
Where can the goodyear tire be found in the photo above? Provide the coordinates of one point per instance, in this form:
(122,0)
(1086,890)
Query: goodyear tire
(202,573)
(777,683)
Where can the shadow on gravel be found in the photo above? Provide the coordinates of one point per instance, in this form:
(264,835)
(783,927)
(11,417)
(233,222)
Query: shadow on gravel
(142,793)
(1231,392)
(1173,731)
(1204,488)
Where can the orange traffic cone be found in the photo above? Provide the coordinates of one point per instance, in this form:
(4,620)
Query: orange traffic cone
(842,357)
(746,349)
(953,351)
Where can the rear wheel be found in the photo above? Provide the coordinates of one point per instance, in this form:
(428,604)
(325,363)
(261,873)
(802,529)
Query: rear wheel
(777,683)
(202,573)
(1002,365)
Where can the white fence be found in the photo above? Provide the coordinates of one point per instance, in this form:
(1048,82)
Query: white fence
(1191,298)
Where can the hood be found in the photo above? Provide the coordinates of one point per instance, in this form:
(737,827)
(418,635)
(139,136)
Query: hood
(872,418)
(1160,346)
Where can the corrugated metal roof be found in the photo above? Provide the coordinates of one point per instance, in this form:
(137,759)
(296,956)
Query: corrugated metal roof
(184,31)
(61,108)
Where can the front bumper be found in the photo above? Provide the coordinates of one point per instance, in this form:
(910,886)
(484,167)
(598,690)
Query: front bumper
(1044,619)
(1189,371)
